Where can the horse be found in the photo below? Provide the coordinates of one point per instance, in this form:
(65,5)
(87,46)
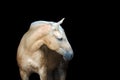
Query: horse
(44,49)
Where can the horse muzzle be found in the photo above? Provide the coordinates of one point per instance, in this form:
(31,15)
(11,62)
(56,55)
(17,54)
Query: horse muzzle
(68,55)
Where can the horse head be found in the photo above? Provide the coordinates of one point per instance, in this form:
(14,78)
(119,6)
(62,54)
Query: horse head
(56,40)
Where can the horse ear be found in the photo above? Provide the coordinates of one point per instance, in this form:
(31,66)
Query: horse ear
(58,23)
(61,21)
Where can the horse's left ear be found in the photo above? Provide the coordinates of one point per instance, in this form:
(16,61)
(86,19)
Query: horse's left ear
(61,21)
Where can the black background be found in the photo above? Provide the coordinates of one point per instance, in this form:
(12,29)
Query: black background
(84,25)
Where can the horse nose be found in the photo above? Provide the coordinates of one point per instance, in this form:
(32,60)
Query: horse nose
(68,56)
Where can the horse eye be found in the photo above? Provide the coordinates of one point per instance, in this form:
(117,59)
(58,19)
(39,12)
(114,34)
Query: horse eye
(60,39)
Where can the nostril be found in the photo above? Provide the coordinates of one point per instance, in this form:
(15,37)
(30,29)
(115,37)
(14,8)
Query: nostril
(71,53)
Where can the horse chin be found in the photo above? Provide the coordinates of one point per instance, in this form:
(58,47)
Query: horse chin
(65,59)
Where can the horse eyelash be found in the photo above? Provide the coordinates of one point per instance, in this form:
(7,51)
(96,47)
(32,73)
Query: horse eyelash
(60,39)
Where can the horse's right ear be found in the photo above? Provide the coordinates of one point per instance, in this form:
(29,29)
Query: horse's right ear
(61,21)
(56,25)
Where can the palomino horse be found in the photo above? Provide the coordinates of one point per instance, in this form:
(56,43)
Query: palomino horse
(45,50)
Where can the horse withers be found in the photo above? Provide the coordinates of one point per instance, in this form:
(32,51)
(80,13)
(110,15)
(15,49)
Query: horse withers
(45,50)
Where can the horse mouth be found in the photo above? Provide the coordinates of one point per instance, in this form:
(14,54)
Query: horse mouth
(68,56)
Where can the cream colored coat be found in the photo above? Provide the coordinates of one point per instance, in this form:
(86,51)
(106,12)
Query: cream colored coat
(44,49)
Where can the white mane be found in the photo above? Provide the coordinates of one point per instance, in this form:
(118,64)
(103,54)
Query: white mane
(38,23)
